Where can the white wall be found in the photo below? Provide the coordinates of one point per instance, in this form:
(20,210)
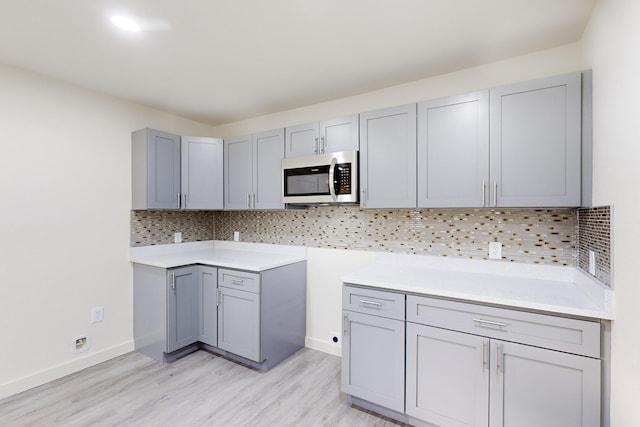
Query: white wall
(611,46)
(542,64)
(64,203)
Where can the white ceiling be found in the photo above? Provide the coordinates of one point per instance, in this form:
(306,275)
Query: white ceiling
(218,61)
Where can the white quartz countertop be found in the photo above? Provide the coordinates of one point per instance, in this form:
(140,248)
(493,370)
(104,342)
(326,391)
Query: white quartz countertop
(238,255)
(555,289)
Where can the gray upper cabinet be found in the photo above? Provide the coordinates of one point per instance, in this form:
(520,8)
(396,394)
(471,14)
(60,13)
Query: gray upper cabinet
(155,169)
(535,142)
(202,172)
(326,136)
(182,307)
(173,172)
(252,166)
(453,151)
(388,158)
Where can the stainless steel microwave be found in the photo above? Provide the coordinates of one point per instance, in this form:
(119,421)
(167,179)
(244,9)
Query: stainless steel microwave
(322,178)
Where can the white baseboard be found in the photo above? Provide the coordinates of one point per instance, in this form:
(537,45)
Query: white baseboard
(42,377)
(324,346)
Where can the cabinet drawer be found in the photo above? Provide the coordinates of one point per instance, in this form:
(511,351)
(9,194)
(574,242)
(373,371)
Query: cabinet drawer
(558,333)
(370,301)
(237,279)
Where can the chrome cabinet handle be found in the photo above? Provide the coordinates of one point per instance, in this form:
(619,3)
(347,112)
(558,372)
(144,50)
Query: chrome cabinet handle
(315,145)
(254,200)
(218,297)
(498,364)
(178,196)
(484,354)
(484,190)
(184,196)
(323,144)
(495,193)
(172,280)
(364,197)
(237,281)
(490,322)
(248,200)
(377,305)
(345,324)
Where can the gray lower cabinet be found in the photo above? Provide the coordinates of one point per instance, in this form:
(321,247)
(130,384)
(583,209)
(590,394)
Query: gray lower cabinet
(182,307)
(239,323)
(259,318)
(208,301)
(464,376)
(388,158)
(447,376)
(373,347)
(468,364)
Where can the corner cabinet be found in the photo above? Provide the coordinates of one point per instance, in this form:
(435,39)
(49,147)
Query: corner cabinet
(469,364)
(258,318)
(388,158)
(252,170)
(326,136)
(536,142)
(173,172)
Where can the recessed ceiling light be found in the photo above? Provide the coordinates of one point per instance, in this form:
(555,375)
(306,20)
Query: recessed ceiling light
(125,23)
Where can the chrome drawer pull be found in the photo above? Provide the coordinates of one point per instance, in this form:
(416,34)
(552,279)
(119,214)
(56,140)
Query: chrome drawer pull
(489,322)
(374,304)
(237,281)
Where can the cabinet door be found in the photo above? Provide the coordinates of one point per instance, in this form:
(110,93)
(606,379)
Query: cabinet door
(532,387)
(302,140)
(453,151)
(239,323)
(447,376)
(388,158)
(163,170)
(268,153)
(373,359)
(238,177)
(340,134)
(202,172)
(182,307)
(535,142)
(208,310)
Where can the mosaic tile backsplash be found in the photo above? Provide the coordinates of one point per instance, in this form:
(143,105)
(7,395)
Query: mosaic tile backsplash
(594,233)
(158,227)
(545,236)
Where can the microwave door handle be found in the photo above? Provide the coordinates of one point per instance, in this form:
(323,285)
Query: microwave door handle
(332,184)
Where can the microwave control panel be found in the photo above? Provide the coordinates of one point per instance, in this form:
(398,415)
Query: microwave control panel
(343,178)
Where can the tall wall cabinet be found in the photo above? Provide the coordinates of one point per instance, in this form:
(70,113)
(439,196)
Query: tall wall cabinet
(173,172)
(252,165)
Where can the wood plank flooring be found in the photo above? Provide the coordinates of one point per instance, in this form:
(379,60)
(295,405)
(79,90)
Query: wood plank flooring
(200,389)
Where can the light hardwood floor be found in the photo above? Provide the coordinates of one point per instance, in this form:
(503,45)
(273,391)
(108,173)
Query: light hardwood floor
(200,389)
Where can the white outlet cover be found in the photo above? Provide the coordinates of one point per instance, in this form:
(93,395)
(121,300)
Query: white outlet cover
(97,314)
(495,250)
(236,236)
(592,263)
(177,237)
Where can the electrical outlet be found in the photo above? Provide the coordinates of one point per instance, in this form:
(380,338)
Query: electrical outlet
(592,263)
(334,338)
(177,237)
(97,314)
(236,236)
(495,250)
